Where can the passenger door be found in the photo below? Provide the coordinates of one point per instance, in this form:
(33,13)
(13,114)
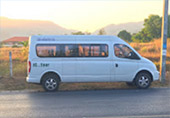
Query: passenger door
(93,64)
(69,62)
(125,63)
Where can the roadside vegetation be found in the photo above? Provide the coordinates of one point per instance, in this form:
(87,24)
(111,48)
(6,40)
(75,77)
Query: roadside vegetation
(150,31)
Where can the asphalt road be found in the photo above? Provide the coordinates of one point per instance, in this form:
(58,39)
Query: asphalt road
(150,103)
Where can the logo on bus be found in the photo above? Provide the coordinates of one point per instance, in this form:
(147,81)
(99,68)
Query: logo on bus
(40,65)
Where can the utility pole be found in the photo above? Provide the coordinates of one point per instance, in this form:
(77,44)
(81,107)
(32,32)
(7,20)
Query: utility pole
(164,42)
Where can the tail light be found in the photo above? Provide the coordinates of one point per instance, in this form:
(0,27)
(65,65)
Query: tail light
(29,66)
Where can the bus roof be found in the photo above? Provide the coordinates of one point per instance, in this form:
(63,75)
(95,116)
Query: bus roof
(75,38)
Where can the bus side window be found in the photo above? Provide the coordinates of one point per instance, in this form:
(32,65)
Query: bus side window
(70,50)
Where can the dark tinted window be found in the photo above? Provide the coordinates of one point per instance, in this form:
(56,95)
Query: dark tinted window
(83,50)
(92,50)
(48,50)
(104,50)
(72,50)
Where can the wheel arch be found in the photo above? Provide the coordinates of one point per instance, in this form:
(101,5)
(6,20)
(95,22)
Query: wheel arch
(50,72)
(145,71)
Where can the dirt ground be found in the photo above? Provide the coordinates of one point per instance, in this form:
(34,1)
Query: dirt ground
(19,83)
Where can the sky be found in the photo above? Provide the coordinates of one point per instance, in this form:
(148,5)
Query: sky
(82,15)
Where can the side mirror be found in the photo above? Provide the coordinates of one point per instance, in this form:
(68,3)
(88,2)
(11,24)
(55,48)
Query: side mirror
(133,55)
(130,54)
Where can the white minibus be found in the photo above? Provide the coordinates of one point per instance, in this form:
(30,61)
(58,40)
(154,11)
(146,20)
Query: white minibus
(86,58)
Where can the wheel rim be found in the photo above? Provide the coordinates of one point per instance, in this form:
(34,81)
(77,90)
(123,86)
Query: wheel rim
(51,84)
(143,81)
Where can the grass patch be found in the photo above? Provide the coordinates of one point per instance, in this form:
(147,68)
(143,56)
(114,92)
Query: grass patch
(19,68)
(16,83)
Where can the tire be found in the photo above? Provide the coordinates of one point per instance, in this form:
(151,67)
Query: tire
(143,80)
(130,83)
(50,82)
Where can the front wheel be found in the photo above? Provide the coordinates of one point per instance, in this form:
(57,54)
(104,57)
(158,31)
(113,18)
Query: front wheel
(50,82)
(143,80)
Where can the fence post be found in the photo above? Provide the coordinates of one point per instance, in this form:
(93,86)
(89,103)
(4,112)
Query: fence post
(10,63)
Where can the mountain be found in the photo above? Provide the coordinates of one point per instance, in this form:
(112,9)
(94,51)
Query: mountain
(17,27)
(132,27)
(12,27)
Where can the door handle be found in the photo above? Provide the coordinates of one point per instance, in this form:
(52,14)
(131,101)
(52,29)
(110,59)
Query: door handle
(116,65)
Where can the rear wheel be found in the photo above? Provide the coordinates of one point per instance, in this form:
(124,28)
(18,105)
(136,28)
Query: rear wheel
(50,82)
(143,80)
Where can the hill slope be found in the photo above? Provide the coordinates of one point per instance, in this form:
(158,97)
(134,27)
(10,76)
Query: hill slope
(13,27)
(17,27)
(132,27)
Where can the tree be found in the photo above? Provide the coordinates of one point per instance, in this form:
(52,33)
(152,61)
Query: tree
(102,32)
(87,33)
(25,50)
(152,26)
(151,30)
(141,36)
(24,43)
(81,33)
(125,35)
(78,33)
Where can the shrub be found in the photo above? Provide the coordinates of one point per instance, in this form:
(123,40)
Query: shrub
(144,49)
(137,48)
(153,49)
(14,46)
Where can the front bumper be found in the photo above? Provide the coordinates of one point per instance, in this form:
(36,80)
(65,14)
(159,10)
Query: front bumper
(156,75)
